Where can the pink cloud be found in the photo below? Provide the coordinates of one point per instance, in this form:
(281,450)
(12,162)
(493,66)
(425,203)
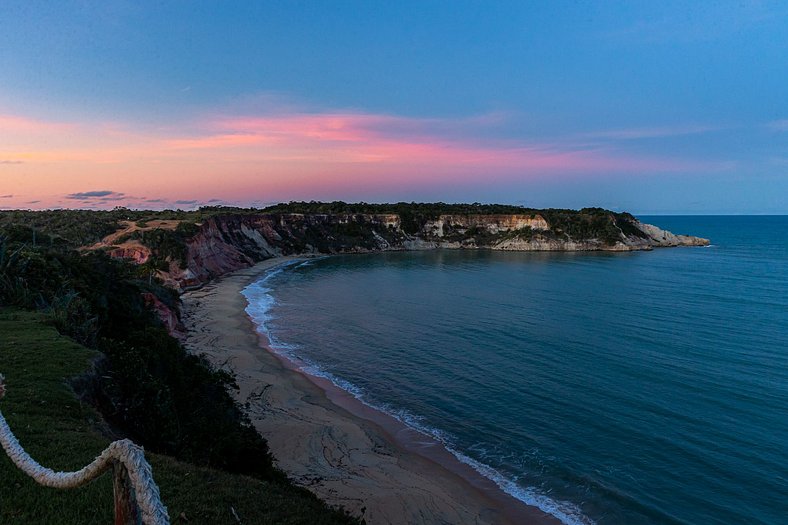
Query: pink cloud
(321,126)
(352,126)
(18,124)
(216,141)
(281,154)
(391,140)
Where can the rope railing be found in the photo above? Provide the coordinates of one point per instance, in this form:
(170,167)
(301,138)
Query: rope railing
(137,497)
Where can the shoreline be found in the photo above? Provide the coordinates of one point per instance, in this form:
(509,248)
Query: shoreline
(346,452)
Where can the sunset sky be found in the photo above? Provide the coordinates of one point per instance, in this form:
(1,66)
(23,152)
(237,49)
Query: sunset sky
(650,107)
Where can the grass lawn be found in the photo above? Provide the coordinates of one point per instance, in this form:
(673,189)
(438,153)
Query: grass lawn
(61,433)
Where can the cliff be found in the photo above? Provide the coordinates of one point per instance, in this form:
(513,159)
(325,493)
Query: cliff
(226,242)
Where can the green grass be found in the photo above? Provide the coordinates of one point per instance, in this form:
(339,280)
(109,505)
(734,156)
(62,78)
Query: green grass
(62,433)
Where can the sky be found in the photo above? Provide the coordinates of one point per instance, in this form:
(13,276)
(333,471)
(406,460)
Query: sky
(650,107)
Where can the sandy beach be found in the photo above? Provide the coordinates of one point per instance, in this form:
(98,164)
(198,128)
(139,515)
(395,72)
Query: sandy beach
(324,439)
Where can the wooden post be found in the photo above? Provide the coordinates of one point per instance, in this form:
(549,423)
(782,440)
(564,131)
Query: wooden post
(126,512)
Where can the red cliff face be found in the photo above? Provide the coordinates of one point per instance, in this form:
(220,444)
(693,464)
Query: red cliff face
(168,317)
(232,242)
(136,252)
(216,249)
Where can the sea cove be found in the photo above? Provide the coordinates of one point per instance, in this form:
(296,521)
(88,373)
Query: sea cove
(606,388)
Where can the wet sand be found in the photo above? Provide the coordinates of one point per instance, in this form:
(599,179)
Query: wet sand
(345,452)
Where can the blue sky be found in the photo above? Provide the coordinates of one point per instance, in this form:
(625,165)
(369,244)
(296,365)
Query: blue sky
(654,107)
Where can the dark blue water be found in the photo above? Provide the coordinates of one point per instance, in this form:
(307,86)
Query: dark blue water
(647,387)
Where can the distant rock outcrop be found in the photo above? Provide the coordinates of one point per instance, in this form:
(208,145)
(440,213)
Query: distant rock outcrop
(659,237)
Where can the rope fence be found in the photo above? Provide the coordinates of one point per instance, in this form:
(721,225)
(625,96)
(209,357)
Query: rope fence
(137,497)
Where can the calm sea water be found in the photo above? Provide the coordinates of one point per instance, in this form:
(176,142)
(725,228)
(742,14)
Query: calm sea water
(646,387)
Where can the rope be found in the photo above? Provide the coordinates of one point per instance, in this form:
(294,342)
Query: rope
(132,456)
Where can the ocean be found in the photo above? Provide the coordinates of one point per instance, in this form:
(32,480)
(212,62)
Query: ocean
(633,388)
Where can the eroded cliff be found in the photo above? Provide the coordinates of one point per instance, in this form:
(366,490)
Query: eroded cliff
(226,242)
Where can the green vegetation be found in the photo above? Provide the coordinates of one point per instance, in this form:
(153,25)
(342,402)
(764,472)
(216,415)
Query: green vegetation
(146,386)
(60,432)
(149,386)
(76,228)
(585,224)
(61,227)
(166,245)
(591,223)
(413,215)
(333,236)
(588,223)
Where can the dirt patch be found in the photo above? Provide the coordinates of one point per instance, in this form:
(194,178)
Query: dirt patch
(127,227)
